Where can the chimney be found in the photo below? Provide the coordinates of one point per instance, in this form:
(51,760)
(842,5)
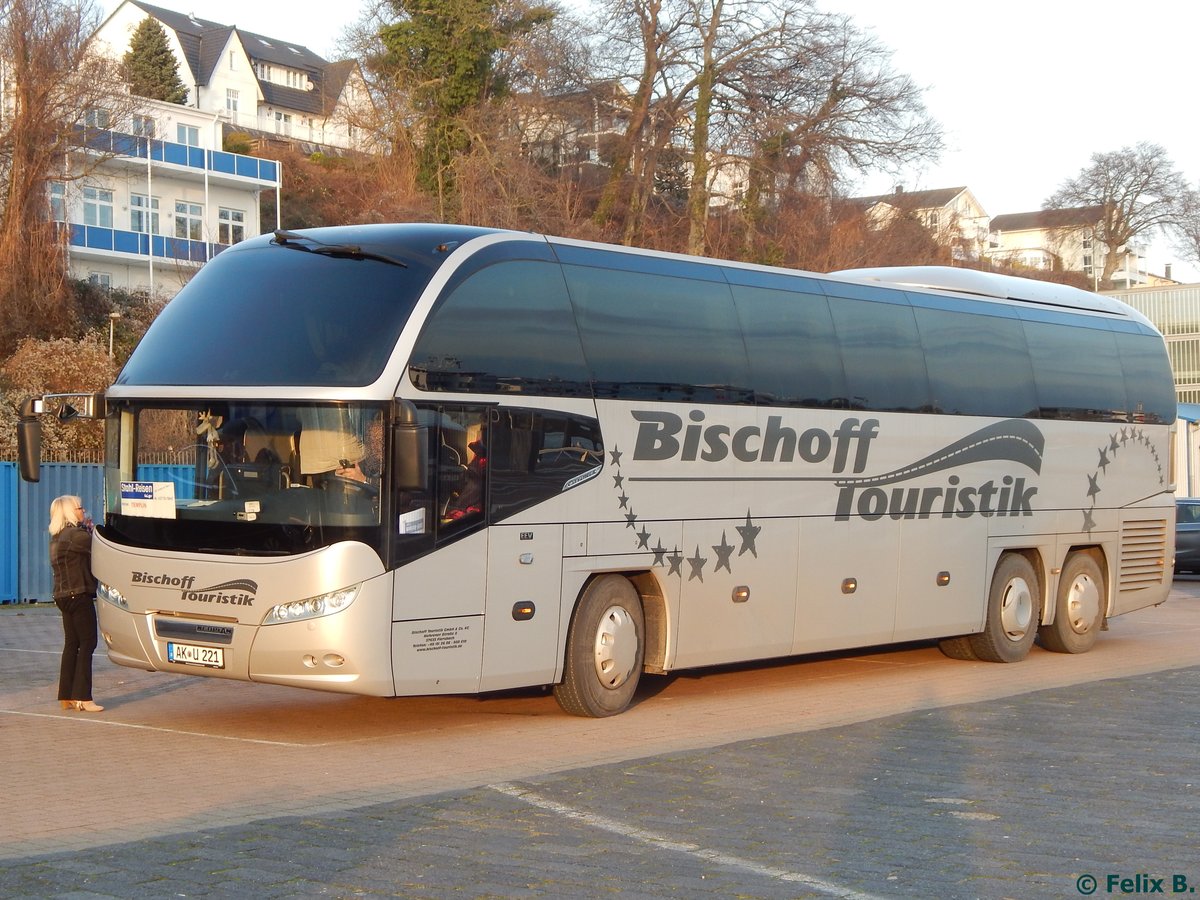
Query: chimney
(1167,271)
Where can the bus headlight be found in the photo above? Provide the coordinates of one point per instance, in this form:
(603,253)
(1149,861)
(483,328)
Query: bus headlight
(313,607)
(110,594)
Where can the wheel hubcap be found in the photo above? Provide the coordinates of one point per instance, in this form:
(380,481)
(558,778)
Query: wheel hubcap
(1083,604)
(616,647)
(1016,610)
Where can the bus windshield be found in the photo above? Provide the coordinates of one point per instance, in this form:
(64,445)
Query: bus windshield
(272,315)
(236,477)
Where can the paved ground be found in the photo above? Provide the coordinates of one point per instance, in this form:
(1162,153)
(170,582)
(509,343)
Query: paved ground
(887,774)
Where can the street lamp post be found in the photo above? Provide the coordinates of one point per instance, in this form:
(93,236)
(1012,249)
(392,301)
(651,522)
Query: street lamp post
(112,320)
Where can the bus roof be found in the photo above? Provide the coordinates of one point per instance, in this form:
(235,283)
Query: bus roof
(987,284)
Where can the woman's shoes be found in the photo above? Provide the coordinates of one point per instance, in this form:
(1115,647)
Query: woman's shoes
(82,705)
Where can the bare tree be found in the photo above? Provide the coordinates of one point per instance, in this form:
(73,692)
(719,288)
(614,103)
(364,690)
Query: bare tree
(774,96)
(639,42)
(1138,191)
(1187,230)
(49,79)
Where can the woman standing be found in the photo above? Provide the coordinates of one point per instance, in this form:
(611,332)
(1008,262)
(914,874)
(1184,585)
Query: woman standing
(75,596)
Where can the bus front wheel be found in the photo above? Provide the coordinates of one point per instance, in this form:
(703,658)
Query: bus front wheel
(1013,608)
(605,648)
(1079,607)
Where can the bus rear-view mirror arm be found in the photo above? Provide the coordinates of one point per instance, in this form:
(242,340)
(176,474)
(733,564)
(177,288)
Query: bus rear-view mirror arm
(29,428)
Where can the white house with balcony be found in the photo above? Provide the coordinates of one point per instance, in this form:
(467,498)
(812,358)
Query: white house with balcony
(267,88)
(1066,240)
(159,197)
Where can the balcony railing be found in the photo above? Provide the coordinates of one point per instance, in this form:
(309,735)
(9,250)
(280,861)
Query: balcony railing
(218,162)
(93,237)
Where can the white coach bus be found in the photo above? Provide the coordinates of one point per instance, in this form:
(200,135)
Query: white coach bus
(427,459)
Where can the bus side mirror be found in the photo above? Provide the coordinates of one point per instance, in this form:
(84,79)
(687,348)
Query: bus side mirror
(410,449)
(29,440)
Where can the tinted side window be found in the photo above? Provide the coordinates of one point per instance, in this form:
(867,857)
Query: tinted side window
(658,336)
(507,328)
(885,366)
(1149,384)
(794,358)
(1077,371)
(538,455)
(978,365)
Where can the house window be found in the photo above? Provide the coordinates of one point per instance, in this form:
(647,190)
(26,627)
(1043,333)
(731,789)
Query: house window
(189,220)
(188,134)
(101,279)
(97,207)
(931,220)
(97,118)
(143,126)
(232,60)
(143,214)
(58,201)
(283,123)
(231,226)
(231,100)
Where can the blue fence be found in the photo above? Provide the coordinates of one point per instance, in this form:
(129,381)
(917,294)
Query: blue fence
(25,512)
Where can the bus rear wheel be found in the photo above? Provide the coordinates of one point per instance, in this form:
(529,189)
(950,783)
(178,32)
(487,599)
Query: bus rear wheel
(605,649)
(1012,613)
(1079,607)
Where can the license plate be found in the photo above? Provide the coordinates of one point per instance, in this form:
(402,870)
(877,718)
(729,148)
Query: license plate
(192,655)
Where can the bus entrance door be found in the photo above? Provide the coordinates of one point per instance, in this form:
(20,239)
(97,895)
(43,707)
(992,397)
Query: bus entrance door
(520,640)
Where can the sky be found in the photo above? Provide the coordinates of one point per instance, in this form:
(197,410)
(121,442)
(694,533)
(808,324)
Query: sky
(1026,90)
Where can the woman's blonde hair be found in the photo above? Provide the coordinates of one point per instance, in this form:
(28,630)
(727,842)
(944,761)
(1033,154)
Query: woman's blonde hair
(62,512)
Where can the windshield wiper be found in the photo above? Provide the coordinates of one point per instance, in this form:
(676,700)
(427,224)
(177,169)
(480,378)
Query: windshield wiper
(289,240)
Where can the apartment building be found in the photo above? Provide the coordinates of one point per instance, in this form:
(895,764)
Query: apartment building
(159,198)
(161,195)
(267,88)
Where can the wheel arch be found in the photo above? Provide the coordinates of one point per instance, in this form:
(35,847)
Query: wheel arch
(654,613)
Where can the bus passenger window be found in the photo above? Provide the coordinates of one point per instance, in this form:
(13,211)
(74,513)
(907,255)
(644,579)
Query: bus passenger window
(462,469)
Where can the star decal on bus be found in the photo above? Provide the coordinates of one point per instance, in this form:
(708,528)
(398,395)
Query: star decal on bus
(673,559)
(749,532)
(1117,442)
(723,551)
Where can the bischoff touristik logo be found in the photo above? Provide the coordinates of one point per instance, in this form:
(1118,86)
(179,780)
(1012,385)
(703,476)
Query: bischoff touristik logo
(838,457)
(239,592)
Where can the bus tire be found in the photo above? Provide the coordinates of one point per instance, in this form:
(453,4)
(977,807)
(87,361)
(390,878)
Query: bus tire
(958,648)
(1012,613)
(1079,607)
(606,645)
